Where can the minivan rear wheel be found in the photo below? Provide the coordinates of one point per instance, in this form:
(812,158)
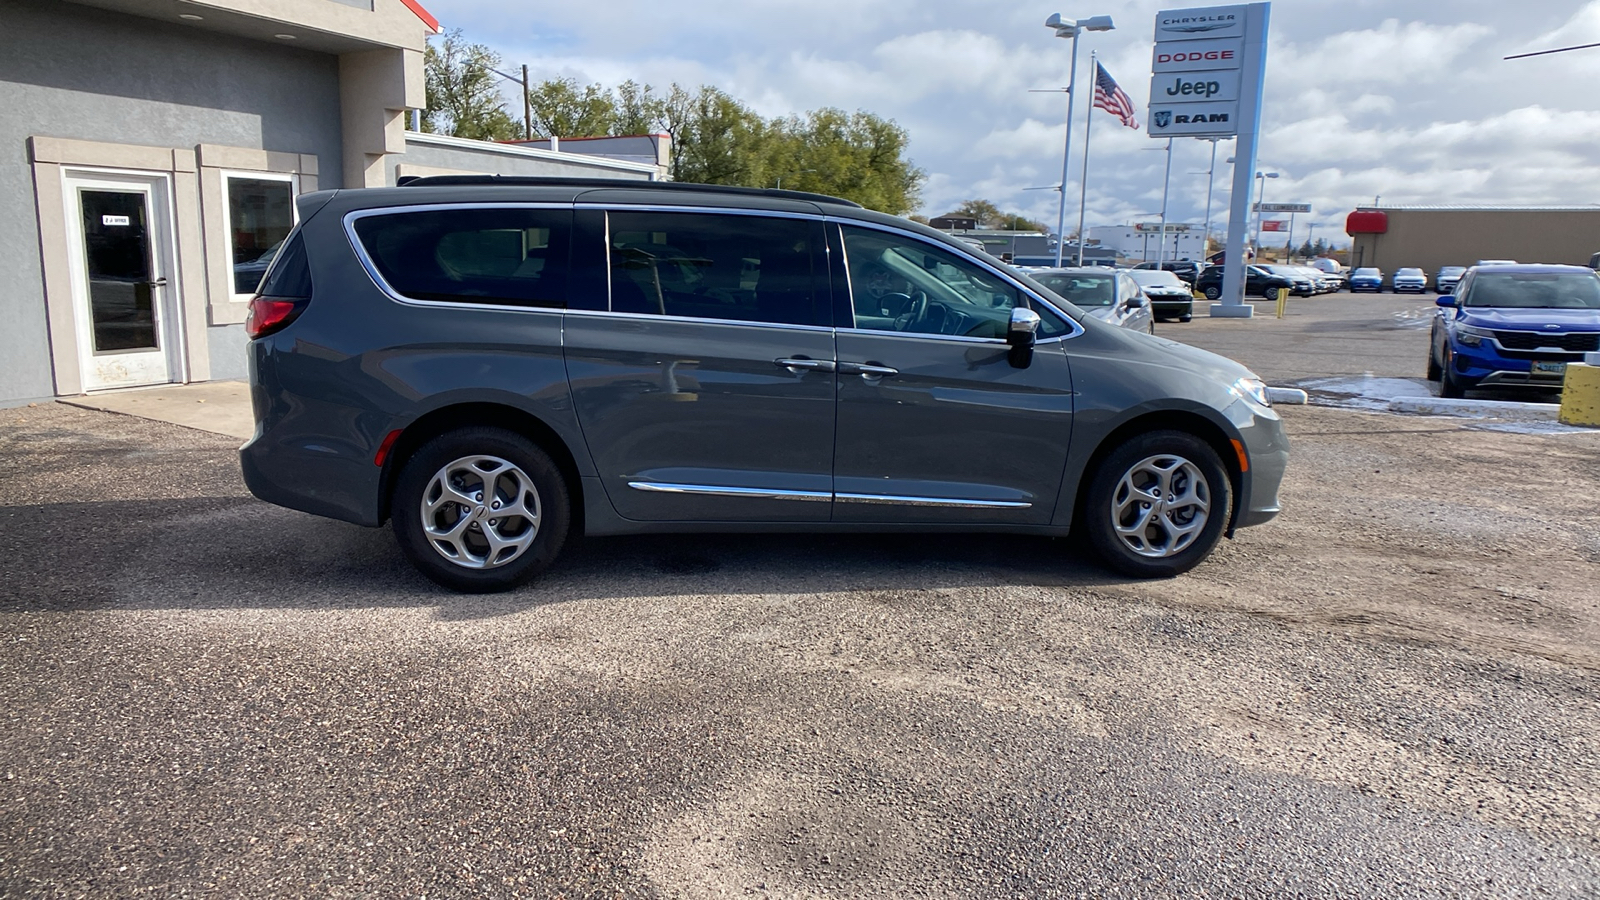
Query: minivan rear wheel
(1158,504)
(481,510)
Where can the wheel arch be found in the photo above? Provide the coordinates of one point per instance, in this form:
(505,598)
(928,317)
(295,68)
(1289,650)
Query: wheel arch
(480,413)
(1215,435)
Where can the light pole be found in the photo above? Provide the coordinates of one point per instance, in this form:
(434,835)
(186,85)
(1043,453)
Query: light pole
(1070,29)
(527,102)
(1261,200)
(1211,173)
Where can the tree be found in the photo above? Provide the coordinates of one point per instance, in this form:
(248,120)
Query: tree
(561,108)
(638,110)
(991,216)
(462,95)
(858,156)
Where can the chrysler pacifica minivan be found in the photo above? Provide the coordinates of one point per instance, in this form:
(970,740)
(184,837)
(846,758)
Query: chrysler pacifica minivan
(497,364)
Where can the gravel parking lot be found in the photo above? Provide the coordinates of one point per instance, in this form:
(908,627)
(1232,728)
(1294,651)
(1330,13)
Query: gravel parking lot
(1390,692)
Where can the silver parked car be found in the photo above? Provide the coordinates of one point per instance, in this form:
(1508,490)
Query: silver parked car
(1410,280)
(1110,295)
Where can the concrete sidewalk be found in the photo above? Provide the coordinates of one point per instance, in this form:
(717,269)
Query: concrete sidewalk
(220,407)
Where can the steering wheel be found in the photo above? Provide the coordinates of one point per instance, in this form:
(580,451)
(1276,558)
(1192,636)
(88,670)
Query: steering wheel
(915,310)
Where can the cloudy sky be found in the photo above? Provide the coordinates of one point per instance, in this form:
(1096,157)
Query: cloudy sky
(1409,100)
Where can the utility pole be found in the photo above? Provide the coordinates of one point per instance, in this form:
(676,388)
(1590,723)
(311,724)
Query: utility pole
(527,107)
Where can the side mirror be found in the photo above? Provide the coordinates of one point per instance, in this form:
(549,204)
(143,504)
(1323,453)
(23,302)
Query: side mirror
(1136,301)
(1022,334)
(1448,301)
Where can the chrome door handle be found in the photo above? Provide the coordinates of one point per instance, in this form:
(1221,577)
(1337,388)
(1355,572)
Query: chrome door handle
(800,365)
(866,370)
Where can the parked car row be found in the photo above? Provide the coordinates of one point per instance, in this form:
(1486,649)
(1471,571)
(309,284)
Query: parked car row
(1410,279)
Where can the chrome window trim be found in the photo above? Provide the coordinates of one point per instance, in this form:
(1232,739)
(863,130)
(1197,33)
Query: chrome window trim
(349,223)
(706,490)
(964,254)
(719,210)
(901,500)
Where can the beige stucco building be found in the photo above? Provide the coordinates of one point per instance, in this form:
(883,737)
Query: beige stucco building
(1429,237)
(150,154)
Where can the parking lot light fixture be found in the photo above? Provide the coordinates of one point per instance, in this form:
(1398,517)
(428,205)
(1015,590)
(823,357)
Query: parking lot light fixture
(1261,189)
(1070,28)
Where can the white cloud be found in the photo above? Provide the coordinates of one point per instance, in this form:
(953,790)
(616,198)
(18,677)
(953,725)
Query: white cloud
(1405,98)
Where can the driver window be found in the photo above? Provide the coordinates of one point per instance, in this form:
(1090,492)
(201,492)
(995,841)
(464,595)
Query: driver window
(898,283)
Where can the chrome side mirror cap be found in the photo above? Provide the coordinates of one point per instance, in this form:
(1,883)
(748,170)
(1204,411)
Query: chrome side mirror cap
(1022,334)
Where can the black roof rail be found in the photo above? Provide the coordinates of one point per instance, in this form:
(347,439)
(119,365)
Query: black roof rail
(613,183)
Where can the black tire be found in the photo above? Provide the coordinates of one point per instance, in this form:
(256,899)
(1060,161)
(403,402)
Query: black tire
(1105,492)
(1213,293)
(549,491)
(1185,318)
(1435,371)
(1449,386)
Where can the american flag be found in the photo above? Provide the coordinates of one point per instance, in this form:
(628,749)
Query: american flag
(1112,98)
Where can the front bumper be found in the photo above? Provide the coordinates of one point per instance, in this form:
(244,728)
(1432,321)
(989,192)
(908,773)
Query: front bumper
(1267,450)
(1406,287)
(1484,366)
(1172,306)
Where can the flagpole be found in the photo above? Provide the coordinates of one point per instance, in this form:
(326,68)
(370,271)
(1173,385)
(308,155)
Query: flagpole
(1088,124)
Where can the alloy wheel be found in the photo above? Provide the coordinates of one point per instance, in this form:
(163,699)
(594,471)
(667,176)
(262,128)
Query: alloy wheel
(480,512)
(1160,506)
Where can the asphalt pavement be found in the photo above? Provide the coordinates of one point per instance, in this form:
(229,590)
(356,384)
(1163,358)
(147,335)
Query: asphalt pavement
(1391,691)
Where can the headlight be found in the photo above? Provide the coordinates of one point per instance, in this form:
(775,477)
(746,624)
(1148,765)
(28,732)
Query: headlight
(1472,335)
(1252,389)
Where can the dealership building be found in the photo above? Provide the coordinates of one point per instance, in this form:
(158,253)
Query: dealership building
(1431,237)
(150,154)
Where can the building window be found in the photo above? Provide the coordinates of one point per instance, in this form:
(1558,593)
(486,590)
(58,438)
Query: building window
(260,216)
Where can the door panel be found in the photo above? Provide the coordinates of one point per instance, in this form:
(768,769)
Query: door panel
(674,409)
(678,385)
(956,423)
(948,431)
(122,298)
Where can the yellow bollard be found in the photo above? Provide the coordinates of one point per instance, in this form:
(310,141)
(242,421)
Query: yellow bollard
(1283,301)
(1580,395)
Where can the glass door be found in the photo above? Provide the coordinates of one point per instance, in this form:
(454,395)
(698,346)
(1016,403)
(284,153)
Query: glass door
(123,293)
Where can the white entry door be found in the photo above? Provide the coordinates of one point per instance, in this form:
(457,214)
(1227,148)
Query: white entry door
(123,279)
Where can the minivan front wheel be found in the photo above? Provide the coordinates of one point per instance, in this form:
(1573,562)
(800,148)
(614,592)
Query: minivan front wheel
(1158,504)
(481,510)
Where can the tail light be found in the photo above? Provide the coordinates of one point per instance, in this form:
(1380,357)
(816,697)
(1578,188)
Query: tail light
(269,315)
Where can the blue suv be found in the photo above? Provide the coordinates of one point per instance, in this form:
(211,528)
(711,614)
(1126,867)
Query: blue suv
(1514,326)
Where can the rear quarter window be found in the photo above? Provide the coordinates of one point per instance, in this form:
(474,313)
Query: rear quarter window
(289,276)
(508,256)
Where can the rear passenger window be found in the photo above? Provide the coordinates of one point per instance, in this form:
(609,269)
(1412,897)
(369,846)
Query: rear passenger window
(510,256)
(748,268)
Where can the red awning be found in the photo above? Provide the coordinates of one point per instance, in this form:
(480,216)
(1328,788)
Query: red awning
(1367,221)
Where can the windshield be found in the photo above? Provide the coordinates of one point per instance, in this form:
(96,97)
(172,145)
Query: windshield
(1535,290)
(1409,272)
(1451,270)
(1291,271)
(1367,272)
(1083,289)
(1148,278)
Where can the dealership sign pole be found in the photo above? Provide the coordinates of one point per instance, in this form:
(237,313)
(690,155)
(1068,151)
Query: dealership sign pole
(1207,82)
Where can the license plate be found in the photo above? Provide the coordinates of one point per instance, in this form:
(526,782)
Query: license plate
(1549,368)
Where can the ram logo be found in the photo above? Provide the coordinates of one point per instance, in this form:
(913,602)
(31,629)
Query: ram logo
(1161,118)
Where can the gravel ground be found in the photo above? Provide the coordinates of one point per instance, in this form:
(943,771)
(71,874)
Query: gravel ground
(1390,692)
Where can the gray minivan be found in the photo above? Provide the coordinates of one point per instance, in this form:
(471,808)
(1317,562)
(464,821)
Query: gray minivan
(498,363)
